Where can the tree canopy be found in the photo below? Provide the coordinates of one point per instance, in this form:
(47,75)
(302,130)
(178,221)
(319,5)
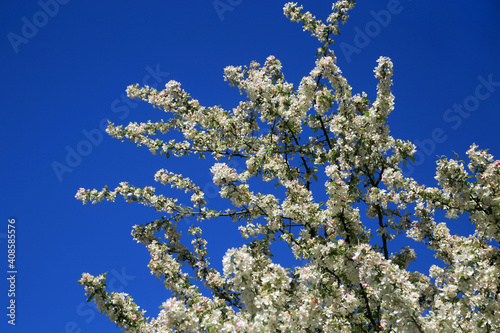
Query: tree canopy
(336,169)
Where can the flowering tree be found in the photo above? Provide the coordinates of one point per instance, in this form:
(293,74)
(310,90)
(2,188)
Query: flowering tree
(348,279)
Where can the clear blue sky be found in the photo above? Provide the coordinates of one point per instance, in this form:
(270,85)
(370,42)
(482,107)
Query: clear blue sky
(65,68)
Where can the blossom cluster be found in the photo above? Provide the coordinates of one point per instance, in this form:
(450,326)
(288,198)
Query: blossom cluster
(341,204)
(119,307)
(163,176)
(130,193)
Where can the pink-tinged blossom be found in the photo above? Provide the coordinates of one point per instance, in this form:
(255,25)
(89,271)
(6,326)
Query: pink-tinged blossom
(339,199)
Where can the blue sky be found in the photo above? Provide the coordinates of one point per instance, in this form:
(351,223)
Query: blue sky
(65,68)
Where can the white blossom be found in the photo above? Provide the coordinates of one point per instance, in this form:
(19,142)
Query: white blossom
(341,205)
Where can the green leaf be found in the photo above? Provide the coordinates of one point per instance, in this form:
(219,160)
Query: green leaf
(412,158)
(315,177)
